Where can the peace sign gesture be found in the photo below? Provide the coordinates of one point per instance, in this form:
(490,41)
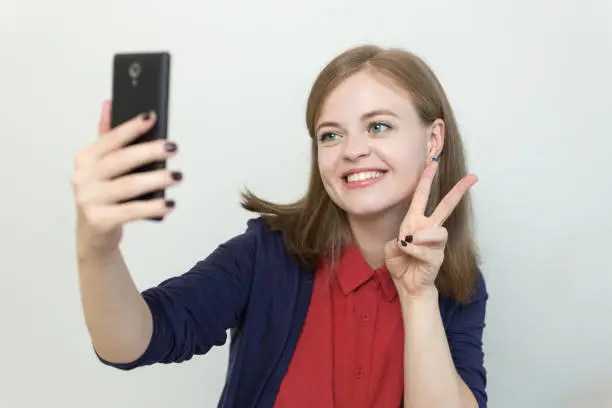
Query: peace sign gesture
(414,259)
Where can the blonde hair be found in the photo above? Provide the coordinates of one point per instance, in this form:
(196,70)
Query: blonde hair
(314,227)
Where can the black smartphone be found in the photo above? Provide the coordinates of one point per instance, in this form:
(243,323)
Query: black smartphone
(141,83)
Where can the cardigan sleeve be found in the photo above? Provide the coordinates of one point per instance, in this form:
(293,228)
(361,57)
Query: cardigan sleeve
(192,312)
(464,334)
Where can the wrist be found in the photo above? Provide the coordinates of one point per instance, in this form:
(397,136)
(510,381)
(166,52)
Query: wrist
(427,295)
(88,251)
(90,246)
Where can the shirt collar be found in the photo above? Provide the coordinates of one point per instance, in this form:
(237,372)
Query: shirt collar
(353,271)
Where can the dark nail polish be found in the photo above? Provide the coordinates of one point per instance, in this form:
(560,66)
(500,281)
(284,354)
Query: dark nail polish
(408,238)
(403,243)
(170,203)
(176,175)
(170,147)
(146,116)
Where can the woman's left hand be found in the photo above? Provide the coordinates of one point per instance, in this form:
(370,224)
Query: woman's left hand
(414,259)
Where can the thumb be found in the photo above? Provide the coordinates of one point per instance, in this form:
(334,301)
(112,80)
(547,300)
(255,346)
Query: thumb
(104,125)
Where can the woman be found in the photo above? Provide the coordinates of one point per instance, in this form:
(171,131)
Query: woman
(364,293)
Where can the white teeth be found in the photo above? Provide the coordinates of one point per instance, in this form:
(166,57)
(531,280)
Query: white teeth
(366,175)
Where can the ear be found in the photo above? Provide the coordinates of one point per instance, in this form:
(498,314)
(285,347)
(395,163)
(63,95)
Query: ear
(435,144)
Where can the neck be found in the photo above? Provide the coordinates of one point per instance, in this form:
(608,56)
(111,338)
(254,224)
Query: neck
(372,232)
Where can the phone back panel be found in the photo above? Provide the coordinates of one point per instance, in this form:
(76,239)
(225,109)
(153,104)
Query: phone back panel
(141,83)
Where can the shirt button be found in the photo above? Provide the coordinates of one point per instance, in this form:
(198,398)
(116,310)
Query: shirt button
(359,373)
(365,317)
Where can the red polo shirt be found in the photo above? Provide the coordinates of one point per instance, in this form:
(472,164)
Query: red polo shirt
(350,351)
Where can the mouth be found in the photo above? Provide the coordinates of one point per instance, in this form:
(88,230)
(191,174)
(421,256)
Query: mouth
(363,178)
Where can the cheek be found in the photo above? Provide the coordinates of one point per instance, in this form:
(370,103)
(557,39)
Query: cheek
(327,165)
(409,174)
(404,158)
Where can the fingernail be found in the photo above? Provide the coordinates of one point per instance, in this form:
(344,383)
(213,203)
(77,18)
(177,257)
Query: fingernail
(434,159)
(146,116)
(176,175)
(408,238)
(170,147)
(170,203)
(403,243)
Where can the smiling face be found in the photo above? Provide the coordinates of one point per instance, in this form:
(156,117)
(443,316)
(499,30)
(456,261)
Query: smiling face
(372,145)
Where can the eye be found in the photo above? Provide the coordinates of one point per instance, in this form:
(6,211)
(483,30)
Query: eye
(328,137)
(378,127)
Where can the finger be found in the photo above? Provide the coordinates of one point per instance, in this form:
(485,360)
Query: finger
(429,255)
(104,124)
(120,214)
(138,210)
(88,155)
(124,134)
(452,199)
(436,236)
(421,193)
(122,161)
(134,185)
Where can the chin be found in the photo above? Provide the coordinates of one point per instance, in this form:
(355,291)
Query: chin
(368,204)
(370,209)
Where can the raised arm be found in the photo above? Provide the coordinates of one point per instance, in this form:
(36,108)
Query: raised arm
(184,315)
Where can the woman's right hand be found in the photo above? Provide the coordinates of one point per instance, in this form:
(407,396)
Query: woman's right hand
(100,186)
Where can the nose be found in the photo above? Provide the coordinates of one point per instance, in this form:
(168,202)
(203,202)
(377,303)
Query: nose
(356,147)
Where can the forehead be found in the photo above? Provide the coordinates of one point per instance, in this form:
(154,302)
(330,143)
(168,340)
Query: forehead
(365,92)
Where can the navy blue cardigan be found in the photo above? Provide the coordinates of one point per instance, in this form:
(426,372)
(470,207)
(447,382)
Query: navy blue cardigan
(251,286)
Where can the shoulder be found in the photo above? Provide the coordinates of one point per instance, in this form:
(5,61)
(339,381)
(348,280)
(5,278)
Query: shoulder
(258,227)
(256,235)
(481,294)
(474,310)
(267,240)
(258,242)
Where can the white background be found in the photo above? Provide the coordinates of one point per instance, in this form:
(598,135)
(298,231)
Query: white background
(530,83)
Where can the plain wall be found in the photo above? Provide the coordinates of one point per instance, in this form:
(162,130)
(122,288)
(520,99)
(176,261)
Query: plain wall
(530,84)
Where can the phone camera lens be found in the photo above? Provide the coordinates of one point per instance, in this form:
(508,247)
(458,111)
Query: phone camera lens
(134,70)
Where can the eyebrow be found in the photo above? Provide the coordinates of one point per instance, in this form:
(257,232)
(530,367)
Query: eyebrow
(365,116)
